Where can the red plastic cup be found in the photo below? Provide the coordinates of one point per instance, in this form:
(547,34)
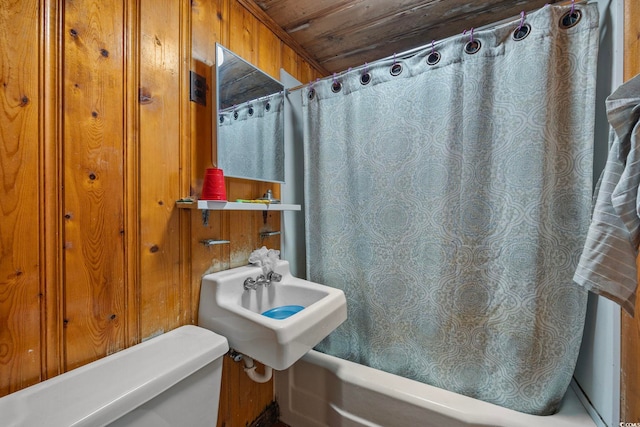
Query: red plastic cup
(213,186)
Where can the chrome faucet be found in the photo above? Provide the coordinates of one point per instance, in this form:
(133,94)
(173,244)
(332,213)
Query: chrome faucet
(261,280)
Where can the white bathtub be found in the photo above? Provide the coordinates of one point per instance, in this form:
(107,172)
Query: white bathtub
(322,390)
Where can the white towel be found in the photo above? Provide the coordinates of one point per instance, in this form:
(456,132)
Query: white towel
(608,262)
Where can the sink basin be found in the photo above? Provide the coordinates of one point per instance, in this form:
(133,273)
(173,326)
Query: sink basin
(229,310)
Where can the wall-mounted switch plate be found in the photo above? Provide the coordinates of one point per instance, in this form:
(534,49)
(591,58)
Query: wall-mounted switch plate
(198,88)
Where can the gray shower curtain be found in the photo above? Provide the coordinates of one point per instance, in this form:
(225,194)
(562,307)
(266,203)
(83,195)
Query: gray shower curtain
(451,201)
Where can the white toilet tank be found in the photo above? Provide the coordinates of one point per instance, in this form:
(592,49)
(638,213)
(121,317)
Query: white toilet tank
(170,380)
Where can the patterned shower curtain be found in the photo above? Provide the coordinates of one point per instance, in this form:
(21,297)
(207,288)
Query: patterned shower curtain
(449,194)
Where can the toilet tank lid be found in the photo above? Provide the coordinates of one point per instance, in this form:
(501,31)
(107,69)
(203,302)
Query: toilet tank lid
(104,390)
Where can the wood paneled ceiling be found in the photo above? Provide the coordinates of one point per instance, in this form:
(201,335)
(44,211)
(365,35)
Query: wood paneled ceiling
(340,34)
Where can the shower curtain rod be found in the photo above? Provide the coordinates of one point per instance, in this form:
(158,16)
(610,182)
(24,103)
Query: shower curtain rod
(411,51)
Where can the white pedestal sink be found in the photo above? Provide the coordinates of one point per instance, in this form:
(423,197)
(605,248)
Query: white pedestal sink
(229,310)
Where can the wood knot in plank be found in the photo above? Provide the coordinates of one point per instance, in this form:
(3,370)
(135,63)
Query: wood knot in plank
(104,52)
(144,97)
(15,275)
(153,249)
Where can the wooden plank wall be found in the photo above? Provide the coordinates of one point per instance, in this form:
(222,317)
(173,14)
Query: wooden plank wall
(630,327)
(98,141)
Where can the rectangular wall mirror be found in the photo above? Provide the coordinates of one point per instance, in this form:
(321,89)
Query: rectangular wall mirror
(250,108)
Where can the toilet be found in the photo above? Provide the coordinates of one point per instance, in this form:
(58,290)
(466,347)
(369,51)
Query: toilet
(170,380)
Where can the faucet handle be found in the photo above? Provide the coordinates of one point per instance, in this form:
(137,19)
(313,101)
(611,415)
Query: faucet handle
(272,276)
(249,283)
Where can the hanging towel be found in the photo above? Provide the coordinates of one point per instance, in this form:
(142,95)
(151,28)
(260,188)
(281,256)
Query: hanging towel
(608,263)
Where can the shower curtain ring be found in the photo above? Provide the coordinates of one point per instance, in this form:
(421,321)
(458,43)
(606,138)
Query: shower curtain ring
(434,56)
(471,34)
(365,78)
(522,15)
(312,91)
(396,67)
(473,46)
(336,86)
(571,18)
(523,29)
